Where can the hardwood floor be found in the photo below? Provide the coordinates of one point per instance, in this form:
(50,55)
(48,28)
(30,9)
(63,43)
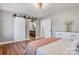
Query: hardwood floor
(13,48)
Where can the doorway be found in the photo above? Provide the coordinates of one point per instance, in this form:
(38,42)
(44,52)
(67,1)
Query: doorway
(32,30)
(46,28)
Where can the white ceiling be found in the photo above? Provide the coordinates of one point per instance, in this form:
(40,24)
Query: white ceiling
(30,8)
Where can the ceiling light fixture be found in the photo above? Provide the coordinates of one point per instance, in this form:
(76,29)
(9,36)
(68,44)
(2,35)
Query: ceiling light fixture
(40,5)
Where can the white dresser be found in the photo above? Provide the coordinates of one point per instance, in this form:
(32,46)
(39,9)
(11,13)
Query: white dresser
(67,35)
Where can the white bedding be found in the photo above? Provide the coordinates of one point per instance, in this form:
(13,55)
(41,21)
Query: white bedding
(60,47)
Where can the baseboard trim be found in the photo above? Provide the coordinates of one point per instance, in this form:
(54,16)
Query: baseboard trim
(8,42)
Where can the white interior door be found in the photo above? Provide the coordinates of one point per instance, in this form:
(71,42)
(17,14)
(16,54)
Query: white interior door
(19,29)
(46,28)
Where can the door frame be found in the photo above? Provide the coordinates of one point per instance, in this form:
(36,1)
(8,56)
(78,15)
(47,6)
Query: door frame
(50,29)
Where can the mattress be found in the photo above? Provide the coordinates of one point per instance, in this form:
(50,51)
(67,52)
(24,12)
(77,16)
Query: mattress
(60,47)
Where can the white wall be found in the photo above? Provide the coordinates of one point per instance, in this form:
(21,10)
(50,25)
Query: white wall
(6,26)
(59,18)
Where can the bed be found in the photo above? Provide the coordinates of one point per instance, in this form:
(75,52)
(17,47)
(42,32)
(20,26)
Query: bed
(60,47)
(52,46)
(32,47)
